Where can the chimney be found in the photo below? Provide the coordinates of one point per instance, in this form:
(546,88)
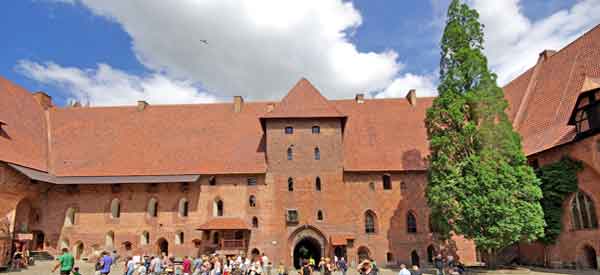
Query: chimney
(544,55)
(359,98)
(238,102)
(141,105)
(43,99)
(411,96)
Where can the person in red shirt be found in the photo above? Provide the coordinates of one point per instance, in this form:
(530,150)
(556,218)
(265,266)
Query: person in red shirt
(187,266)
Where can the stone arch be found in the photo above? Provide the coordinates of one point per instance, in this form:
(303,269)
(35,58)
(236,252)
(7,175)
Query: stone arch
(78,249)
(310,237)
(162,246)
(109,239)
(589,257)
(115,208)
(23,213)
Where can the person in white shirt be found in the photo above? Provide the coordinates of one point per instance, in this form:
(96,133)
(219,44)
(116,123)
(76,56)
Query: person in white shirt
(403,270)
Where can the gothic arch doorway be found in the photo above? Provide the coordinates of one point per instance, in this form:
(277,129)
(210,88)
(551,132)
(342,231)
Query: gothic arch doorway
(162,246)
(414,258)
(430,253)
(78,250)
(305,249)
(306,242)
(590,257)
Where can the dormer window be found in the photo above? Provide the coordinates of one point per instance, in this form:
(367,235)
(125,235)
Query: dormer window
(289,130)
(586,115)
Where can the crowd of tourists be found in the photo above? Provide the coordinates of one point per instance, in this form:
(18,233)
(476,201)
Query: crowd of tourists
(240,265)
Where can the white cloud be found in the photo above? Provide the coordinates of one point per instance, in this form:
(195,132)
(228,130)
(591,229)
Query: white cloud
(513,41)
(108,86)
(257,49)
(423,84)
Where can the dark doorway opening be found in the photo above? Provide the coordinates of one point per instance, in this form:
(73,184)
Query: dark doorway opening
(163,246)
(38,240)
(414,258)
(430,253)
(340,251)
(305,249)
(590,257)
(78,250)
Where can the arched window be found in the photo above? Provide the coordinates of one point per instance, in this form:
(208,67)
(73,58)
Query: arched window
(372,186)
(370,222)
(145,238)
(109,240)
(316,129)
(290,153)
(290,184)
(411,223)
(153,208)
(70,216)
(115,209)
(252,201)
(319,215)
(318,184)
(255,222)
(289,130)
(317,153)
(183,207)
(218,208)
(179,237)
(583,212)
(387,182)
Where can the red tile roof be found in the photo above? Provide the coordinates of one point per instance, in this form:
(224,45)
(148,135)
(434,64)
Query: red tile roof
(23,139)
(553,94)
(221,223)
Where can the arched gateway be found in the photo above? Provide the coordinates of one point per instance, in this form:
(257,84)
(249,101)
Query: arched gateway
(307,242)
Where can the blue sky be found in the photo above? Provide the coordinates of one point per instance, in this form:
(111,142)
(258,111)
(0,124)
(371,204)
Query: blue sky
(110,53)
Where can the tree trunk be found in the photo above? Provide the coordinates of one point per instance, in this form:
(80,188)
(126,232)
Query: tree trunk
(492,258)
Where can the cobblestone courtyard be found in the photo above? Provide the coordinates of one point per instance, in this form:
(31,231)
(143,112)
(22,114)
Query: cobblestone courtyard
(44,267)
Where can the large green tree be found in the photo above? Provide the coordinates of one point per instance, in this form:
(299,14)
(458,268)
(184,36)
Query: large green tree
(480,185)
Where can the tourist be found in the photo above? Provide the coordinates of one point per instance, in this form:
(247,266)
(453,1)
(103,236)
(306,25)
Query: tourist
(306,268)
(415,270)
(438,262)
(147,262)
(281,270)
(327,267)
(98,266)
(129,266)
(17,259)
(142,269)
(115,256)
(76,271)
(342,265)
(217,266)
(197,265)
(106,263)
(156,266)
(365,268)
(403,270)
(187,266)
(322,265)
(65,262)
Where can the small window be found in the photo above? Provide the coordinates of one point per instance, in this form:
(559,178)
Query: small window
(316,129)
(218,208)
(251,181)
(145,238)
(372,186)
(319,215)
(115,209)
(411,223)
(292,216)
(255,222)
(387,182)
(212,180)
(289,130)
(153,208)
(183,208)
(290,184)
(179,238)
(70,216)
(389,257)
(290,153)
(317,153)
(318,184)
(252,201)
(370,222)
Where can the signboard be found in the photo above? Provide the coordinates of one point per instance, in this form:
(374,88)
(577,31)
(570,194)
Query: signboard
(24,236)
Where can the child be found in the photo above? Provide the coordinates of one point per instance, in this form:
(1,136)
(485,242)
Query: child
(76,271)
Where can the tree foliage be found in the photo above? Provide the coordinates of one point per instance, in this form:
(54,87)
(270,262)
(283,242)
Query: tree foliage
(480,185)
(559,180)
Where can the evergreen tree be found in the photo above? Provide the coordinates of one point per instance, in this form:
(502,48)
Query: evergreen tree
(480,185)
